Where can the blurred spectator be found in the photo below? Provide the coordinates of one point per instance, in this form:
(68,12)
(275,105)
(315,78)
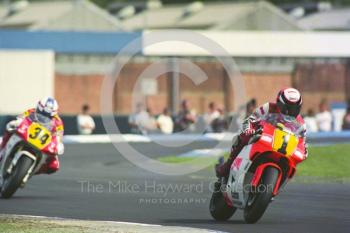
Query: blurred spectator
(240,115)
(210,116)
(310,121)
(141,122)
(165,122)
(346,119)
(85,122)
(250,107)
(186,117)
(220,124)
(324,117)
(151,124)
(245,111)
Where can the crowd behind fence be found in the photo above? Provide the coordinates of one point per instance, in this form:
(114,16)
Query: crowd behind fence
(186,120)
(216,120)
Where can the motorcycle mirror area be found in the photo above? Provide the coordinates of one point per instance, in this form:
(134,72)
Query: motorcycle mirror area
(280,126)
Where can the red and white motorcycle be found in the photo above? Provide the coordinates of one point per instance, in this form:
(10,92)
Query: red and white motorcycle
(26,152)
(261,169)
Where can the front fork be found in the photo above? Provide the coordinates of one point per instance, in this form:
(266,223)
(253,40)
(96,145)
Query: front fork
(14,162)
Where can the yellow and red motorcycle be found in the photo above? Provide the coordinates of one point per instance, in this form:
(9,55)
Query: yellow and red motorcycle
(261,169)
(26,152)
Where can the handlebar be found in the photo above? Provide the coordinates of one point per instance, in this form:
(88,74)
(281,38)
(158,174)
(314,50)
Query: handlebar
(257,135)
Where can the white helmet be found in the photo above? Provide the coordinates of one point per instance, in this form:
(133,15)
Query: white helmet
(289,101)
(47,106)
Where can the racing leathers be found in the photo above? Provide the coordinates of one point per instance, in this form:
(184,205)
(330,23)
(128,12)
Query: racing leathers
(56,127)
(249,127)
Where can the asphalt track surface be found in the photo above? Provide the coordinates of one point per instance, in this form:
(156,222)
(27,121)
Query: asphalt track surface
(97,183)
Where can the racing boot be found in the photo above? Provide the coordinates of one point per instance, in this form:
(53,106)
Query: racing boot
(52,165)
(2,151)
(4,141)
(1,178)
(223,169)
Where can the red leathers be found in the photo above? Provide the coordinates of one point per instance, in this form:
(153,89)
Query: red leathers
(288,102)
(52,163)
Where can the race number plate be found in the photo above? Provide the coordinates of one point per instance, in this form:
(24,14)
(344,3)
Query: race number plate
(284,142)
(38,136)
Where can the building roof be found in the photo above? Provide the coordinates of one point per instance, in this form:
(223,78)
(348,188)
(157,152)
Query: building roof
(337,19)
(215,16)
(259,15)
(3,12)
(62,15)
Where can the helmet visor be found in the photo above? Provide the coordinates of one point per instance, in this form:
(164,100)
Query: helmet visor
(289,109)
(41,118)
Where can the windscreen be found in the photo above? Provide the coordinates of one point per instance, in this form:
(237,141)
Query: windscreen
(289,122)
(39,118)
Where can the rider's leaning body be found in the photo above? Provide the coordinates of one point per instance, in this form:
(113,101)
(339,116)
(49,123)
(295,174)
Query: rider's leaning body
(288,102)
(47,107)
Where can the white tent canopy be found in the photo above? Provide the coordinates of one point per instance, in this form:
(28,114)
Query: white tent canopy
(253,44)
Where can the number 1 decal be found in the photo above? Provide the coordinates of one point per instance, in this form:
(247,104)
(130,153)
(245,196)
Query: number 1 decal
(284,143)
(283,148)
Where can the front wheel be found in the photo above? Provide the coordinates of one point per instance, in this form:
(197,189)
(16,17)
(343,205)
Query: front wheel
(259,201)
(14,180)
(219,210)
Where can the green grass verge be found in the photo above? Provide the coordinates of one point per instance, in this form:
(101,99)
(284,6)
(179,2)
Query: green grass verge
(325,162)
(26,226)
(189,161)
(175,159)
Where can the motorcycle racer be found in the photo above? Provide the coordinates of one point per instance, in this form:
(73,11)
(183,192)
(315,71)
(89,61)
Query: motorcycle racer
(46,112)
(288,102)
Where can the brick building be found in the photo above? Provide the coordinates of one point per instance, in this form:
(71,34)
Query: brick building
(316,63)
(316,79)
(73,90)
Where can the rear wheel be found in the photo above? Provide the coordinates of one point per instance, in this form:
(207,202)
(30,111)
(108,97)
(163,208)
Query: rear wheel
(219,209)
(258,201)
(13,181)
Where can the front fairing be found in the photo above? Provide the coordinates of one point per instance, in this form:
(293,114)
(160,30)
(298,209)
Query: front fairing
(263,151)
(265,144)
(260,153)
(48,147)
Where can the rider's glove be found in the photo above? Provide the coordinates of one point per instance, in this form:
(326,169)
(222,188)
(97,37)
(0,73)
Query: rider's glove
(249,132)
(248,126)
(13,125)
(60,149)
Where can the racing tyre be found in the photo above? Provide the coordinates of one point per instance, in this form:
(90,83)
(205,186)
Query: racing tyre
(259,201)
(219,210)
(14,180)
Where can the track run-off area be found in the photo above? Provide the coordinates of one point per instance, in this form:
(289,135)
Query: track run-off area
(97,183)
